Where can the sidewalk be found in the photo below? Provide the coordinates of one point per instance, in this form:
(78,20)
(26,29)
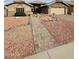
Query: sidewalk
(62,52)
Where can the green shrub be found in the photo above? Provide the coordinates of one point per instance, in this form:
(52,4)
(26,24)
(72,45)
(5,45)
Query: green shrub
(20,14)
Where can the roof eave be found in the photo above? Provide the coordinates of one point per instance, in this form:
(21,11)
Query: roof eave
(18,3)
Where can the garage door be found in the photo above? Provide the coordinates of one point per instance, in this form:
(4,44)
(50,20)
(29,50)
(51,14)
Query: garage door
(57,11)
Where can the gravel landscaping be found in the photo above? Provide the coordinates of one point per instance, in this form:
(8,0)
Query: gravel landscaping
(26,36)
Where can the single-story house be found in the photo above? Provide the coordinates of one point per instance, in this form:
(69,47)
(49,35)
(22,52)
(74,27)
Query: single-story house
(21,8)
(58,8)
(18,8)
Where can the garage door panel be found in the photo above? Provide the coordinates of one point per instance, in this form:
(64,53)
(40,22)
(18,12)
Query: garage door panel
(57,11)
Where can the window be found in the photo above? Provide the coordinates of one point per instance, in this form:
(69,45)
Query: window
(19,12)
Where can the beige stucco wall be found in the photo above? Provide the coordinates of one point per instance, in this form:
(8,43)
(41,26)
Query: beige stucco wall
(5,11)
(12,8)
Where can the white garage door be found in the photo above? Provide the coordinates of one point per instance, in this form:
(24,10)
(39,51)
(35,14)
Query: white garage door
(57,11)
